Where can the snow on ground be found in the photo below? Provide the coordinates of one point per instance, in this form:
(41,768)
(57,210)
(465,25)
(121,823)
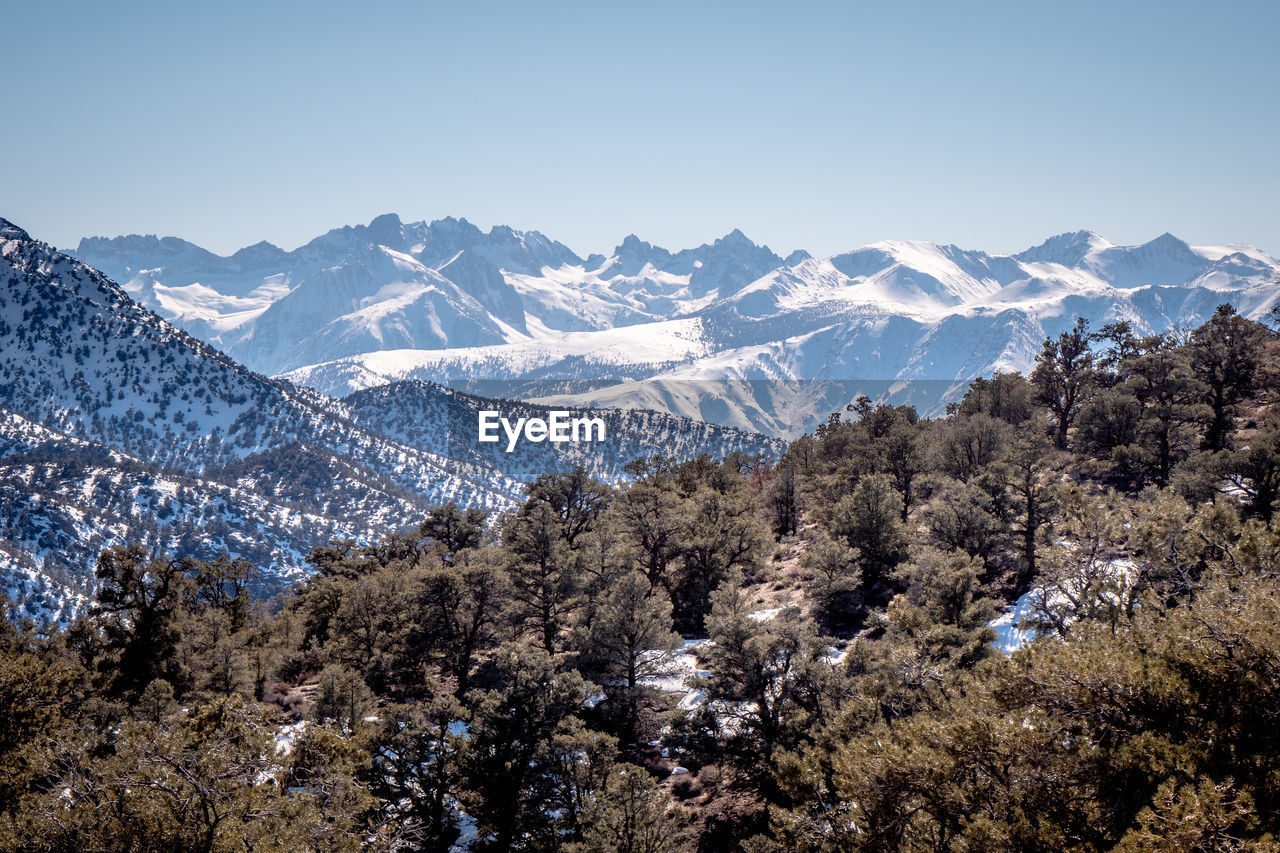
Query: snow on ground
(1011,636)
(678,669)
(682,676)
(32,595)
(287,735)
(468,833)
(836,656)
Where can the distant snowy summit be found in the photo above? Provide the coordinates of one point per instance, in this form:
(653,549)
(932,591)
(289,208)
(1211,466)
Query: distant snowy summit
(446,301)
(438,285)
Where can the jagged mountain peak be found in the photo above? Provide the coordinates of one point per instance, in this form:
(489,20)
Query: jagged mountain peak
(503,287)
(258,255)
(633,254)
(442,239)
(1167,244)
(260,246)
(921,255)
(527,252)
(631,244)
(385,220)
(1162,260)
(734,237)
(724,266)
(524,252)
(1165,239)
(1082,235)
(380,298)
(386,230)
(506,232)
(910,249)
(922,275)
(454,226)
(121,256)
(734,241)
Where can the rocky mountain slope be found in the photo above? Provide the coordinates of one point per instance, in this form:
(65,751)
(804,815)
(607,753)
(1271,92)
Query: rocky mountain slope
(116,426)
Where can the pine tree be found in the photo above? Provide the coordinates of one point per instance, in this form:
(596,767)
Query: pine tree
(631,815)
(415,771)
(544,574)
(627,638)
(869,519)
(1064,377)
(834,582)
(1225,354)
(513,765)
(140,601)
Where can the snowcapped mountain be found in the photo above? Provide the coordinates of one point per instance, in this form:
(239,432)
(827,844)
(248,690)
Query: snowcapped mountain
(391,285)
(700,332)
(388,300)
(907,321)
(116,426)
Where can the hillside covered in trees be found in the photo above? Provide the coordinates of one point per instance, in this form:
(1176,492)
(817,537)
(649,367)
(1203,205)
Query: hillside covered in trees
(726,655)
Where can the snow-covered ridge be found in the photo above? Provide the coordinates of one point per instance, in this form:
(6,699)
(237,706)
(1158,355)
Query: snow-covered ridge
(447,302)
(438,285)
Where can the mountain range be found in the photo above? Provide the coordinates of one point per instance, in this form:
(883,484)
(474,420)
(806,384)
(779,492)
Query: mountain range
(729,331)
(269,401)
(117,426)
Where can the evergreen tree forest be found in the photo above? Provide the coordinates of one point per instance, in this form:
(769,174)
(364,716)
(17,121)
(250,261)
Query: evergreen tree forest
(503,683)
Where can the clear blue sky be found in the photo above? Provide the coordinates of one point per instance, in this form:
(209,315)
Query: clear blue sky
(808,125)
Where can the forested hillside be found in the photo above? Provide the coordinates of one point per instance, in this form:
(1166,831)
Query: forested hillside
(740,655)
